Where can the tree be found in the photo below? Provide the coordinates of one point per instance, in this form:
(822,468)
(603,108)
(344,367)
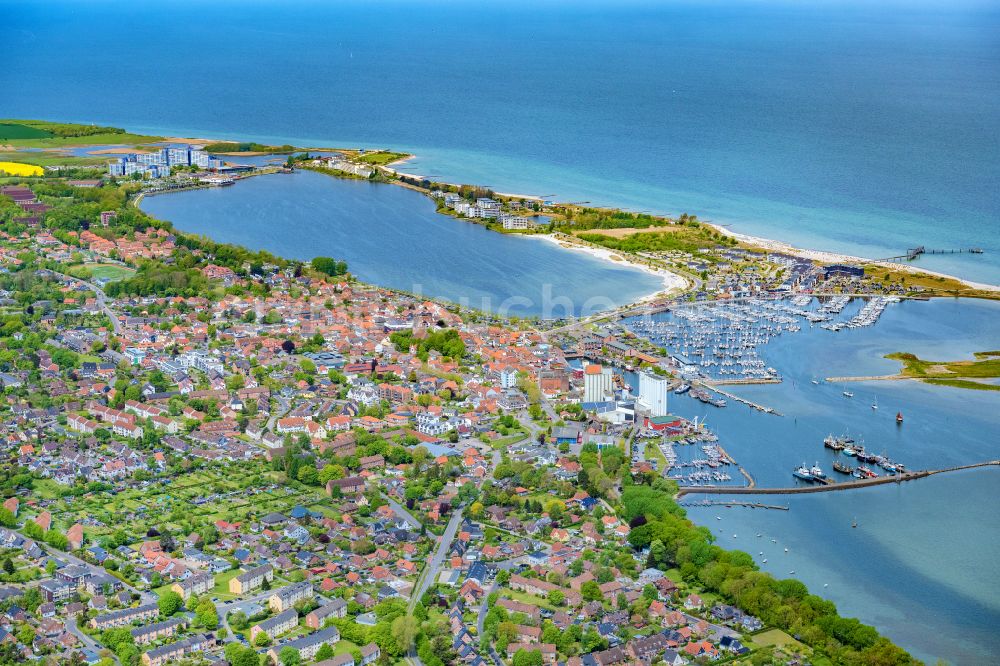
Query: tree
(8,566)
(239,621)
(557,597)
(324,652)
(528,658)
(289,656)
(169,602)
(262,640)
(308,475)
(591,591)
(7,518)
(288,346)
(404,631)
(206,615)
(330,472)
(329,266)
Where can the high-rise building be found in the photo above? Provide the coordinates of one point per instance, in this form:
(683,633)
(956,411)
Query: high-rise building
(653,391)
(597,386)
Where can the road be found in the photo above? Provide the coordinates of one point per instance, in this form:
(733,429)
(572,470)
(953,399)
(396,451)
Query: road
(101,300)
(401,512)
(146,597)
(430,573)
(85,640)
(433,567)
(225,608)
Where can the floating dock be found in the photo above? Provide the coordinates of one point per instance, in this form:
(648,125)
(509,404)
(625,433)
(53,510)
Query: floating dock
(830,486)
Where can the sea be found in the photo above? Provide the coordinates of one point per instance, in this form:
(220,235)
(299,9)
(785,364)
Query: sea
(842,125)
(849,126)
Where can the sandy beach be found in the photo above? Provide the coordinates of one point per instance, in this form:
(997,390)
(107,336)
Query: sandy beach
(835,258)
(671,281)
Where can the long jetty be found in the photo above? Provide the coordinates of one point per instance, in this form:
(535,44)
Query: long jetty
(831,487)
(748,403)
(749,505)
(914,252)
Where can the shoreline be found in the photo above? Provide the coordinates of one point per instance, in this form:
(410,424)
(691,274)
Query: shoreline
(826,257)
(770,244)
(670,281)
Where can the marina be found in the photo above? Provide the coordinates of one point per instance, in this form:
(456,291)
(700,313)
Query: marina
(719,342)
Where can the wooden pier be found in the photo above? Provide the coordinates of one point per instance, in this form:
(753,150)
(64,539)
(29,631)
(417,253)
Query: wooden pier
(831,486)
(748,403)
(914,252)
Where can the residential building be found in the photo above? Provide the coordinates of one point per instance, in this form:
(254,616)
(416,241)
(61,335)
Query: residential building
(251,579)
(287,597)
(275,625)
(308,645)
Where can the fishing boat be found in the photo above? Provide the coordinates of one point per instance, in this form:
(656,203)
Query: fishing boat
(816,472)
(842,468)
(899,417)
(682,389)
(803,473)
(866,473)
(848,394)
(835,443)
(850,451)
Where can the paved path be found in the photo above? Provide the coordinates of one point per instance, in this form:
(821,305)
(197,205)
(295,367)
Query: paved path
(101,299)
(430,573)
(434,565)
(401,512)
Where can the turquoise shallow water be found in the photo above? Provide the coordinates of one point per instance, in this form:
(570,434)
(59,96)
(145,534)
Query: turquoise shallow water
(834,125)
(921,566)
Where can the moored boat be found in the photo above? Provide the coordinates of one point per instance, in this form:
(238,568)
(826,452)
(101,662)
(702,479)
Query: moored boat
(803,473)
(842,468)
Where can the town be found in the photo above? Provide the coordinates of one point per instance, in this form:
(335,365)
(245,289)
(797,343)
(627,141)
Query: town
(215,454)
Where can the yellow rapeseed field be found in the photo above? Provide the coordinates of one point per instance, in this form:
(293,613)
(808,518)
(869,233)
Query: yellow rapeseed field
(18,169)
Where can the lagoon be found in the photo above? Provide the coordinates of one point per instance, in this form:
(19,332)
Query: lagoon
(394,237)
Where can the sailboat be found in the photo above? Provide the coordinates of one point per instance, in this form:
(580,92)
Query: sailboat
(875,404)
(899,418)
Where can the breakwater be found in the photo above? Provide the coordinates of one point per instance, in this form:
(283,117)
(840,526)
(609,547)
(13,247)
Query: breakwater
(832,487)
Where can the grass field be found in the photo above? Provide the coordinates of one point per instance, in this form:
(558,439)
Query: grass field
(956,374)
(21,169)
(112,272)
(964,384)
(526,598)
(381,157)
(221,589)
(18,131)
(45,159)
(776,638)
(344,647)
(109,138)
(653,453)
